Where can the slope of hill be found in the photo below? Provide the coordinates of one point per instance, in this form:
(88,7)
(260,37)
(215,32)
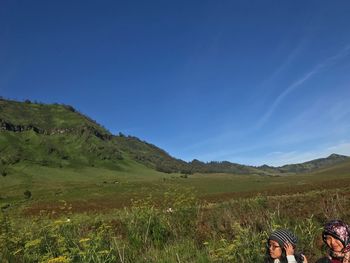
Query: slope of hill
(57,135)
(314,164)
(45,118)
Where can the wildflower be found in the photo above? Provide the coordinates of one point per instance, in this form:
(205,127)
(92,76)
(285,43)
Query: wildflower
(33,243)
(103,252)
(17,251)
(83,240)
(61,259)
(59,222)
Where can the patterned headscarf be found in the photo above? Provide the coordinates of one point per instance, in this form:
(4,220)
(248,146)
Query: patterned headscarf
(341,231)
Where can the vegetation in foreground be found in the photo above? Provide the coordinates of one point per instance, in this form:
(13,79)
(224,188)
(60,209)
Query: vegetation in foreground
(178,229)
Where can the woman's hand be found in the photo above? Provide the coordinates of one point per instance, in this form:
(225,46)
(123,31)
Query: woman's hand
(304,258)
(289,249)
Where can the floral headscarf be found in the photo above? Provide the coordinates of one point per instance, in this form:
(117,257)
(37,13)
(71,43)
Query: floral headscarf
(341,231)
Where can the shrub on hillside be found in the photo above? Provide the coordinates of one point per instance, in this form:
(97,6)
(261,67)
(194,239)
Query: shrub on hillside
(27,194)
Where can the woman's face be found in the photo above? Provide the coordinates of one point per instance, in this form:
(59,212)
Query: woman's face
(334,244)
(274,249)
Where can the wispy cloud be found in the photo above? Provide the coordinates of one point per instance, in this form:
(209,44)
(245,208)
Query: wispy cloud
(285,64)
(298,83)
(323,119)
(282,158)
(341,148)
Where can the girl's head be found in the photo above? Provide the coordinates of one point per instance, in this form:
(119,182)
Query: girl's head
(336,235)
(276,242)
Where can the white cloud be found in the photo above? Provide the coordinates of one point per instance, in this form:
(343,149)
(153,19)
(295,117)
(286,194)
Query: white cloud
(319,67)
(342,148)
(282,158)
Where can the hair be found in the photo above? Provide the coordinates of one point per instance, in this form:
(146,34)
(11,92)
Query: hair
(269,259)
(283,259)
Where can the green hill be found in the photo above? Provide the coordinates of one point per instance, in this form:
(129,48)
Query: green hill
(314,164)
(56,135)
(45,118)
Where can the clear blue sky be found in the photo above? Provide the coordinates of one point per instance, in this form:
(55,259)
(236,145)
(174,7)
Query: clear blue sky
(250,82)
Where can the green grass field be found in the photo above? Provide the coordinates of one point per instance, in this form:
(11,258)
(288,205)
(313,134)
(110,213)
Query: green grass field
(114,189)
(93,214)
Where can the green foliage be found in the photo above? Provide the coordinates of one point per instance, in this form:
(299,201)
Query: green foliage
(9,238)
(98,245)
(247,246)
(308,230)
(147,226)
(3,169)
(149,231)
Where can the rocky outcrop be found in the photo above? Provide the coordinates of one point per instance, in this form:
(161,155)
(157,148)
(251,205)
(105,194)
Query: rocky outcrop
(7,126)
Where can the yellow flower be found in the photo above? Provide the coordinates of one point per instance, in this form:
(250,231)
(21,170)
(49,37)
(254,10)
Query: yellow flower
(59,222)
(17,251)
(83,240)
(33,243)
(103,252)
(61,259)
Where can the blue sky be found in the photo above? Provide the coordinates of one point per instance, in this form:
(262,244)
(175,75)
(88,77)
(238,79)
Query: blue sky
(250,82)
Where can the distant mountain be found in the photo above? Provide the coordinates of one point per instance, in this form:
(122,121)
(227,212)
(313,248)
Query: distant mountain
(228,167)
(57,135)
(314,164)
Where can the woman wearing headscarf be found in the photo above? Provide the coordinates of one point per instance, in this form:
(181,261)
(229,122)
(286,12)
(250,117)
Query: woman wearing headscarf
(281,246)
(336,235)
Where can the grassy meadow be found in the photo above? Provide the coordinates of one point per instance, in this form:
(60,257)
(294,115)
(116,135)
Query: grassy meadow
(136,214)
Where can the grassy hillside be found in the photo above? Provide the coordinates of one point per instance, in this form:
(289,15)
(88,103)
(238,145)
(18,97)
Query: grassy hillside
(59,136)
(55,135)
(314,164)
(48,117)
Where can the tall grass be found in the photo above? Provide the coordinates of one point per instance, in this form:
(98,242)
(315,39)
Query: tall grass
(175,228)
